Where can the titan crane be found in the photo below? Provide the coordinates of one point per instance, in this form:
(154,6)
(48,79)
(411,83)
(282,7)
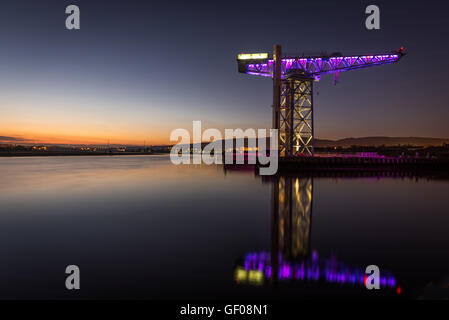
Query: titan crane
(293,78)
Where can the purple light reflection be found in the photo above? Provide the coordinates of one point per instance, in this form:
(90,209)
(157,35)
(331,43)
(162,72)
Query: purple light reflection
(313,269)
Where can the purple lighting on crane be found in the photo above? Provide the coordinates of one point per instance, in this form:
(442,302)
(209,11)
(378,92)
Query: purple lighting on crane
(259,74)
(314,67)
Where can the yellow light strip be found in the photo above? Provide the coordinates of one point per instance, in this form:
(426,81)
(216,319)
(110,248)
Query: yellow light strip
(252,56)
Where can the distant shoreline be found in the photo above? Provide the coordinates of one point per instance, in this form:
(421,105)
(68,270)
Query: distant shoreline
(64,154)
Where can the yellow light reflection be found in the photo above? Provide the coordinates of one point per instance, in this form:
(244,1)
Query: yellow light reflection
(253,277)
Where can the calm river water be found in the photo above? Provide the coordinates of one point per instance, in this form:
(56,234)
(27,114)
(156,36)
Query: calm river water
(140,227)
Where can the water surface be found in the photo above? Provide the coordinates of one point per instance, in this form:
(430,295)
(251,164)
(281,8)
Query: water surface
(140,227)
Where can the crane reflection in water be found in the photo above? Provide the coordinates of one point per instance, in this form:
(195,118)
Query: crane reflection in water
(290,258)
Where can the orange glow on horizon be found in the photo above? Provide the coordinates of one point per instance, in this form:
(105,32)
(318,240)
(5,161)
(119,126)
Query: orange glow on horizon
(34,121)
(25,137)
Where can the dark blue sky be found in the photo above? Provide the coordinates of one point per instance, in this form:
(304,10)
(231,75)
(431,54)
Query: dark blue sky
(138,69)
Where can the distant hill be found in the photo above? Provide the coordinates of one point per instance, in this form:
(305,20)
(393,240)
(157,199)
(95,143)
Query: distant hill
(379,141)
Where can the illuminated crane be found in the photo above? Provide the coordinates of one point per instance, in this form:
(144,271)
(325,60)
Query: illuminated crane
(293,89)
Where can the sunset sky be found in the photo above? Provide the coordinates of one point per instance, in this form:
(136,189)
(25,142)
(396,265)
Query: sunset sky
(136,70)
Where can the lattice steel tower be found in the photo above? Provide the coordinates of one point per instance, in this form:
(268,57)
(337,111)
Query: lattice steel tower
(293,79)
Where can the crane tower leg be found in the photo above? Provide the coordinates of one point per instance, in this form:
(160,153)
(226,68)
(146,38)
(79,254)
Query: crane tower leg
(292,110)
(277,56)
(296,117)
